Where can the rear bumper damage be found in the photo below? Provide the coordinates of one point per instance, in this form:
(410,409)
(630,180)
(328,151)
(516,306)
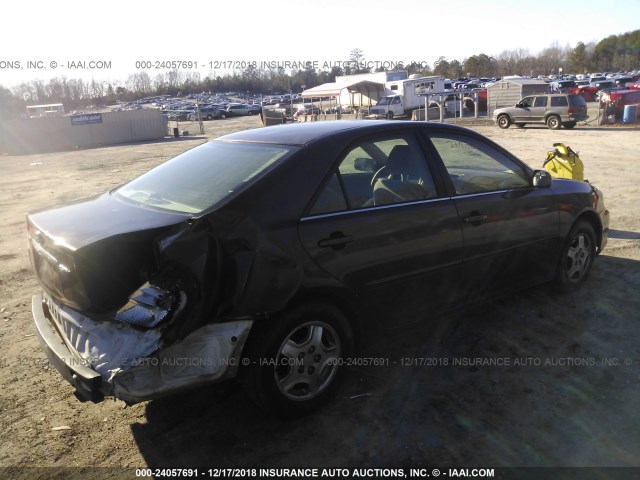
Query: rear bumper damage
(112,358)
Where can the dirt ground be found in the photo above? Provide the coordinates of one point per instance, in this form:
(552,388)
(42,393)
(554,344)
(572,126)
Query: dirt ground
(567,393)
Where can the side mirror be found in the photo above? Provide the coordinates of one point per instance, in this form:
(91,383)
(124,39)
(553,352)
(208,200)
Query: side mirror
(541,179)
(364,165)
(519,105)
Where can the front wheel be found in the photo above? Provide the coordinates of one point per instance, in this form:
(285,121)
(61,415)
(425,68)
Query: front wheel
(577,257)
(389,115)
(296,360)
(504,121)
(553,122)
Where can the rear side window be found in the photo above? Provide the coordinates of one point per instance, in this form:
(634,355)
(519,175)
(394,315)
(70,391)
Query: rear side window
(331,198)
(577,101)
(559,102)
(540,102)
(377,172)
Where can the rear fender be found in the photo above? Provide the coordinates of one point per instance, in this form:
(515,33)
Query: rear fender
(190,261)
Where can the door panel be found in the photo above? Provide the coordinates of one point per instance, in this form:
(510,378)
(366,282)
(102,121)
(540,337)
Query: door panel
(510,229)
(510,238)
(539,109)
(522,114)
(396,243)
(404,259)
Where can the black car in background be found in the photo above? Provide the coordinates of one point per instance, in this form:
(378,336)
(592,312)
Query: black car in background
(266,254)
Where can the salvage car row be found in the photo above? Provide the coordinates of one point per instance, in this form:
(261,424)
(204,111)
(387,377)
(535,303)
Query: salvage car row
(193,112)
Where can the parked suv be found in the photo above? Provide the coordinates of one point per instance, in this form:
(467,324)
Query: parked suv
(242,109)
(553,110)
(207,112)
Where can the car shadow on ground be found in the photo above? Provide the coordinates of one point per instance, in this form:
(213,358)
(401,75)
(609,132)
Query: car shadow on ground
(595,128)
(624,234)
(535,379)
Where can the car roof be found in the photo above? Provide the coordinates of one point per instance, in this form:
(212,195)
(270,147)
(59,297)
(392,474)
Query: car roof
(307,132)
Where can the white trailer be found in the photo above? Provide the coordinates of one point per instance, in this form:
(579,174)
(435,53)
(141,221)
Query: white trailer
(405,96)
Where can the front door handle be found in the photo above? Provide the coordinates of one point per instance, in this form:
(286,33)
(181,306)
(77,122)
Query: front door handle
(337,241)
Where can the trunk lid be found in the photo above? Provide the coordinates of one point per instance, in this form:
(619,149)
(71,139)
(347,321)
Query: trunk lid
(91,255)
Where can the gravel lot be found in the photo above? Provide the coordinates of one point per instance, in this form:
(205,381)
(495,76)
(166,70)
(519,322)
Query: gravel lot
(569,394)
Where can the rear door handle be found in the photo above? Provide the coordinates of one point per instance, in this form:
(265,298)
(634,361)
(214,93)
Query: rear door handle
(337,241)
(475,219)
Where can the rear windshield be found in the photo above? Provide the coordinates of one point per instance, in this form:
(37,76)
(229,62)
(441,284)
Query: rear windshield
(202,177)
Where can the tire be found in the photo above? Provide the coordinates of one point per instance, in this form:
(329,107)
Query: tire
(577,257)
(569,125)
(209,117)
(389,115)
(553,122)
(520,125)
(316,338)
(504,121)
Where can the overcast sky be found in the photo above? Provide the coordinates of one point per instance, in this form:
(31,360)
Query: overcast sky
(216,34)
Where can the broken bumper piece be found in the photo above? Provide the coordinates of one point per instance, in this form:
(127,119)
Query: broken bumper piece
(112,358)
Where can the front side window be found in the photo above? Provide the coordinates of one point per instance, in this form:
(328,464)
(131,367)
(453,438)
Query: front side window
(475,167)
(527,102)
(377,172)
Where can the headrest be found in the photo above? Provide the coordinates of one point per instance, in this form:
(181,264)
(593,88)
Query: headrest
(398,161)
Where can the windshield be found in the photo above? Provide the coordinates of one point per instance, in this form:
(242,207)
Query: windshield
(203,176)
(384,101)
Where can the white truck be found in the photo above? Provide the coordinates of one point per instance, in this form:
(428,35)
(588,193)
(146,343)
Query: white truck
(404,96)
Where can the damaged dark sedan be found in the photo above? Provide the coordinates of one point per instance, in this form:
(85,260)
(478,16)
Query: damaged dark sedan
(265,255)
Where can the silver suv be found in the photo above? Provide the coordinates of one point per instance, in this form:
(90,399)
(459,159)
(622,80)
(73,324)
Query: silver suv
(553,110)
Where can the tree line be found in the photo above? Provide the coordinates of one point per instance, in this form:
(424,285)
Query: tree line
(614,53)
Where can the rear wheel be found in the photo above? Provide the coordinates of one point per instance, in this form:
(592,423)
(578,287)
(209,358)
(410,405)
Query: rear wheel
(520,125)
(553,122)
(577,257)
(296,360)
(504,121)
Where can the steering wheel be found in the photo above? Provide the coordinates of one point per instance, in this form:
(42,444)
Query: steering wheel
(378,175)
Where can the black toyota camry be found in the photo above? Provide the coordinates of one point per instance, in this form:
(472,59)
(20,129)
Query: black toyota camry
(266,254)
